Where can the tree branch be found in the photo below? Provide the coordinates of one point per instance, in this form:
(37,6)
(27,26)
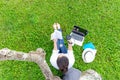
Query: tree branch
(37,56)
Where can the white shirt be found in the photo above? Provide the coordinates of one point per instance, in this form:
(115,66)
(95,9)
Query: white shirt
(55,54)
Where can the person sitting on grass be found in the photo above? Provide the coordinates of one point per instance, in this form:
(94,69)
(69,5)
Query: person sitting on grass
(61,58)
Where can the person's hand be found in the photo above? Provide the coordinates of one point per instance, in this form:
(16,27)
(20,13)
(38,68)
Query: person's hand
(70,42)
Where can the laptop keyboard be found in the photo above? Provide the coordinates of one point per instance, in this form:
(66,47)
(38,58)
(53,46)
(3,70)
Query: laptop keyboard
(76,36)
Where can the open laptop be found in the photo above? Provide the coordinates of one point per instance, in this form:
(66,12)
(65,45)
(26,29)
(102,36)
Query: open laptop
(77,35)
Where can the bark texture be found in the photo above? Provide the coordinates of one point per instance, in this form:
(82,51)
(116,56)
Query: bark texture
(37,56)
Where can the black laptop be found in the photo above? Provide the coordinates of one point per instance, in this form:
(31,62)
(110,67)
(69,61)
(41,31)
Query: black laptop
(77,35)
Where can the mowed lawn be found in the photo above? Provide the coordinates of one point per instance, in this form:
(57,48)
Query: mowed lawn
(26,25)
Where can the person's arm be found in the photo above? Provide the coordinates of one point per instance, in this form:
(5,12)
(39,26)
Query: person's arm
(55,44)
(70,54)
(70,45)
(54,55)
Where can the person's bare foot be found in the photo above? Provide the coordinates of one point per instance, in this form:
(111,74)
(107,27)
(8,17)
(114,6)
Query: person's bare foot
(58,25)
(55,26)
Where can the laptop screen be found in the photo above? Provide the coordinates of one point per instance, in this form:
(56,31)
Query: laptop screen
(79,31)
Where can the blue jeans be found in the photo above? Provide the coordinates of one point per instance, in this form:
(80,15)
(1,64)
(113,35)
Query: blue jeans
(60,45)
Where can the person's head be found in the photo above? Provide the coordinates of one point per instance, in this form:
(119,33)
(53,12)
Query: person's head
(90,75)
(63,62)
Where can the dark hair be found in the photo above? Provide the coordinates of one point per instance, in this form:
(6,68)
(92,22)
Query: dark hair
(63,63)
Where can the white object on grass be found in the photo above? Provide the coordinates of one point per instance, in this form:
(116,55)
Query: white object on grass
(88,55)
(56,35)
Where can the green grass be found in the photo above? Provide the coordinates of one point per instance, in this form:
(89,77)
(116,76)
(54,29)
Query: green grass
(26,25)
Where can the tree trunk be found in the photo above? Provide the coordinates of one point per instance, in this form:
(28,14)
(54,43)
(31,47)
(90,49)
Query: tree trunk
(37,56)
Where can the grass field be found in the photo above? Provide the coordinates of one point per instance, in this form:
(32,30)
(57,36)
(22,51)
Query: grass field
(26,25)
